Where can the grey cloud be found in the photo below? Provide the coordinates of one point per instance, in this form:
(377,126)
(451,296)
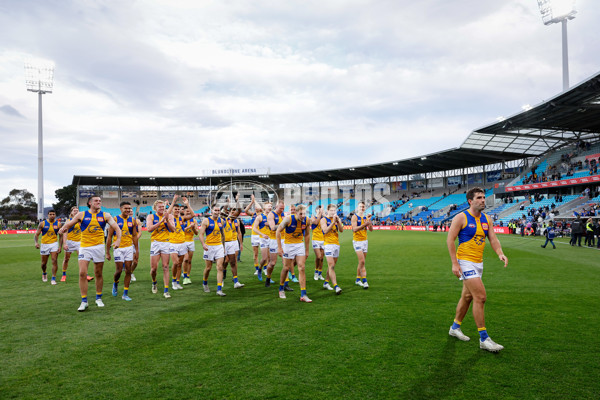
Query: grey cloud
(10,110)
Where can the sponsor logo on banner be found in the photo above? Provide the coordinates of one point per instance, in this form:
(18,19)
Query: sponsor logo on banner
(563,182)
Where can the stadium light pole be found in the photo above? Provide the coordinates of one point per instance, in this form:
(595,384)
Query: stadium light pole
(39,78)
(554,11)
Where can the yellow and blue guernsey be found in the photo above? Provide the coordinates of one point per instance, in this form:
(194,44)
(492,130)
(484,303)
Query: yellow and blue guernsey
(229,230)
(74,232)
(277,218)
(49,232)
(360,236)
(160,233)
(213,232)
(236,224)
(262,225)
(92,229)
(189,233)
(178,235)
(471,238)
(317,231)
(294,232)
(331,237)
(126,225)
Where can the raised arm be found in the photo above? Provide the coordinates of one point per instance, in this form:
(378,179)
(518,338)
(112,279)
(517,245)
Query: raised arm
(189,207)
(249,206)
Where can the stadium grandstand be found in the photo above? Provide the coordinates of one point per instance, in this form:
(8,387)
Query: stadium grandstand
(542,160)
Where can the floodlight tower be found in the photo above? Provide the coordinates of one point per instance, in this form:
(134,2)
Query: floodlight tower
(39,78)
(554,11)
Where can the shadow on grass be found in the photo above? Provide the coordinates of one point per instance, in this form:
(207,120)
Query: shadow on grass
(448,373)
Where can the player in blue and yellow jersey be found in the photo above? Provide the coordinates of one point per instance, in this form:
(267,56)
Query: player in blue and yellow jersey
(274,218)
(360,225)
(71,242)
(179,249)
(317,242)
(160,225)
(124,254)
(291,272)
(213,245)
(294,229)
(472,227)
(254,238)
(190,228)
(331,225)
(92,224)
(51,245)
(136,254)
(232,233)
(262,230)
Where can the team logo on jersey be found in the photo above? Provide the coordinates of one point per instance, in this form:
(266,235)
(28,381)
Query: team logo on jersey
(479,240)
(484,226)
(472,226)
(87,219)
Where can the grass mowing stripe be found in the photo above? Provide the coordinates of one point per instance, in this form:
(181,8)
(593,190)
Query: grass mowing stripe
(389,341)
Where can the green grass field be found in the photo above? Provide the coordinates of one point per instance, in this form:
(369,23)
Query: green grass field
(390,341)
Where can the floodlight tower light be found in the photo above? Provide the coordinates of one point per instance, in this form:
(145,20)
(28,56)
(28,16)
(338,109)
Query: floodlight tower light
(554,11)
(39,78)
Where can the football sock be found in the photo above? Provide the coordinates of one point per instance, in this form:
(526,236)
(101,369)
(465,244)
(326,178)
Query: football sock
(84,299)
(98,295)
(125,291)
(456,324)
(302,292)
(482,333)
(235,279)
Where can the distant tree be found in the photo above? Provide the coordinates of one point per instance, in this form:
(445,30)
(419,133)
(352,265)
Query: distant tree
(20,204)
(67,198)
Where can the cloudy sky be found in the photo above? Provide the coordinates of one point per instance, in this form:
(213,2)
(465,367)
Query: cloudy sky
(160,88)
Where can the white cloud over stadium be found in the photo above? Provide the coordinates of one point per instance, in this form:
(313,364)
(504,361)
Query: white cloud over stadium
(176,87)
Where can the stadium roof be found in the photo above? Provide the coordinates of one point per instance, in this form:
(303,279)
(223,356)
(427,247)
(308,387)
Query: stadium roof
(566,118)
